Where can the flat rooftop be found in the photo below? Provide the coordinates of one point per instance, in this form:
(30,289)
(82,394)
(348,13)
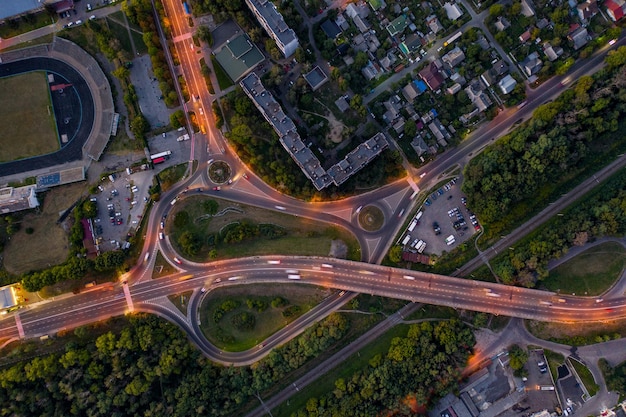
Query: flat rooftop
(10,8)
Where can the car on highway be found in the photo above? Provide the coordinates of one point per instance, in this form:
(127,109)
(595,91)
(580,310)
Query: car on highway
(203,290)
(280,208)
(178,261)
(217,188)
(161,236)
(246,176)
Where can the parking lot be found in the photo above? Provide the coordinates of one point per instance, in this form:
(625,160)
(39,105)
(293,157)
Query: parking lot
(121,204)
(539,377)
(169,142)
(444,222)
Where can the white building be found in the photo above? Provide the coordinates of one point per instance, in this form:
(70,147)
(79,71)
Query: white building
(275,26)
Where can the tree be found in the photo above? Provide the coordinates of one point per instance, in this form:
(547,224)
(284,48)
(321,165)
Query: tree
(395,253)
(177,119)
(204,34)
(139,126)
(410,129)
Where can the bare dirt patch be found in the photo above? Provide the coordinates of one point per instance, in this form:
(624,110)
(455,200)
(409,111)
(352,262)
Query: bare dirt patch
(48,244)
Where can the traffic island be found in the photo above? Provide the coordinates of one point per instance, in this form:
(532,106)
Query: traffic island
(371,218)
(219,172)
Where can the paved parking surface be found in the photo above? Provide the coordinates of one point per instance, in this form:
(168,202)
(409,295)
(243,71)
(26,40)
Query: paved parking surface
(149,93)
(537,399)
(435,212)
(180,150)
(120,208)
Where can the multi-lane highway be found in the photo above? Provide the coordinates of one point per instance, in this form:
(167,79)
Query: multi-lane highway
(357,277)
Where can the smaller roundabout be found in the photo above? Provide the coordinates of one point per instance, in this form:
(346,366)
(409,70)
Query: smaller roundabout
(219,172)
(371,218)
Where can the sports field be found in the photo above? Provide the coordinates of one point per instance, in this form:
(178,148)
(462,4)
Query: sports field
(27,118)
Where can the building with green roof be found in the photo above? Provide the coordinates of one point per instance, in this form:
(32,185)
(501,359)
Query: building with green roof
(238,56)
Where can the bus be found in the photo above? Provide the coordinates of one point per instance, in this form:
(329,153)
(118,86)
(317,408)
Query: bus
(412,225)
(453,38)
(160,155)
(158,161)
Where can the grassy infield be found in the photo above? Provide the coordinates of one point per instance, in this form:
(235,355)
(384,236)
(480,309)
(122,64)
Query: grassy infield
(27,116)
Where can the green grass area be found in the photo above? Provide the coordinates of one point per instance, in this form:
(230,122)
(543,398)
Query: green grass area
(122,143)
(140,46)
(223,79)
(162,267)
(181,300)
(120,33)
(554,361)
(299,236)
(590,273)
(371,218)
(432,311)
(585,377)
(223,333)
(346,370)
(32,21)
(27,117)
(46,39)
(205,70)
(171,175)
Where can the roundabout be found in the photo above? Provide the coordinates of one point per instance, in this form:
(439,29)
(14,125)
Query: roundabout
(371,218)
(219,172)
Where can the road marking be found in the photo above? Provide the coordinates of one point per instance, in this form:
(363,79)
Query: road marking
(129,299)
(412,184)
(18,323)
(182,37)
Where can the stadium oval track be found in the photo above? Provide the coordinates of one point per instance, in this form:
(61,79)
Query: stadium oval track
(71,151)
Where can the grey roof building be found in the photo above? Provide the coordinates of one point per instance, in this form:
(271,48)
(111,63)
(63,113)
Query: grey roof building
(301,154)
(454,57)
(275,26)
(507,84)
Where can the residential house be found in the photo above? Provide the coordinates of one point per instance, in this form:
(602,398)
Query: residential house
(532,64)
(507,84)
(411,44)
(487,78)
(454,88)
(434,24)
(410,91)
(502,24)
(552,53)
(528,9)
(587,9)
(331,29)
(454,57)
(357,9)
(439,131)
(499,68)
(542,23)
(397,26)
(524,37)
(579,37)
(370,71)
(377,4)
(478,97)
(342,104)
(358,43)
(361,24)
(342,22)
(398,125)
(453,11)
(615,9)
(432,76)
(458,78)
(393,106)
(419,145)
